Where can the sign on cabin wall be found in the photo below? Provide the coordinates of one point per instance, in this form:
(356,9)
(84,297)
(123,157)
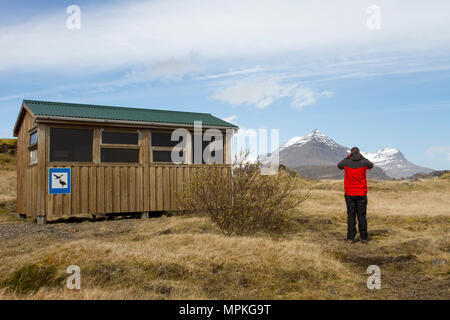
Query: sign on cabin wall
(58,180)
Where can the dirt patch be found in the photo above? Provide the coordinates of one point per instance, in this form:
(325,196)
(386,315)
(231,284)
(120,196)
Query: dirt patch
(10,231)
(365,261)
(13,230)
(378,234)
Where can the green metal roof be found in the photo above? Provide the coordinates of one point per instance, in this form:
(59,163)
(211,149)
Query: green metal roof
(88,111)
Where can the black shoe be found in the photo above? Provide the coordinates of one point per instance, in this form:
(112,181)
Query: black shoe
(349,240)
(363,240)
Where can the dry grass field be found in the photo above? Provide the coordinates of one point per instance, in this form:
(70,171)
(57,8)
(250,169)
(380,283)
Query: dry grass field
(186,257)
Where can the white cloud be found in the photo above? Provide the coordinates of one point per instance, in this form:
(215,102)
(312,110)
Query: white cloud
(303,96)
(136,33)
(232,73)
(439,150)
(230,118)
(171,69)
(263,91)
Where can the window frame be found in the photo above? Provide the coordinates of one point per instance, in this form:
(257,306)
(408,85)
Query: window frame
(203,149)
(158,148)
(33,147)
(32,132)
(137,146)
(102,130)
(68,127)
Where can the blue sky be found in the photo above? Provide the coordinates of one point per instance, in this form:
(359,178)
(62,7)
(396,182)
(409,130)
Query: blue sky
(288,65)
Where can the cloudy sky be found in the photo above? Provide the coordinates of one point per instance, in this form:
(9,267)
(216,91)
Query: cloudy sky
(288,65)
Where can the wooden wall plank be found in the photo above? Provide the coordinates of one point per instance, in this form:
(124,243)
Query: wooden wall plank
(100,189)
(152,185)
(58,204)
(75,189)
(180,181)
(146,189)
(32,192)
(139,190)
(24,187)
(93,190)
(108,189)
(159,189)
(173,186)
(84,186)
(116,190)
(41,183)
(165,189)
(123,189)
(26,194)
(67,208)
(132,189)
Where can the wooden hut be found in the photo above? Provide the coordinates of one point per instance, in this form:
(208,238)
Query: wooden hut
(78,159)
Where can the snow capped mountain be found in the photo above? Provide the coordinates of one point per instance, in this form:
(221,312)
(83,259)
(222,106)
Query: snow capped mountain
(317,149)
(313,149)
(394,163)
(314,136)
(292,141)
(382,156)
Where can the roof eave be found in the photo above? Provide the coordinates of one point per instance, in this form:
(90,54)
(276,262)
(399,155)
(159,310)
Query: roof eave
(23,109)
(43,118)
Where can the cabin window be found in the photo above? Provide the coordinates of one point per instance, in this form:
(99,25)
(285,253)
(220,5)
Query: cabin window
(33,156)
(32,146)
(205,144)
(119,155)
(128,138)
(163,146)
(163,139)
(119,147)
(165,156)
(71,145)
(33,139)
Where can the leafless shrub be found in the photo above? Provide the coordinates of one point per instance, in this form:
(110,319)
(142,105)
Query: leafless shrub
(241,200)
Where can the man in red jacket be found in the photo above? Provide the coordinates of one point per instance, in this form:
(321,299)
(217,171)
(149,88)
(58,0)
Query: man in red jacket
(355,185)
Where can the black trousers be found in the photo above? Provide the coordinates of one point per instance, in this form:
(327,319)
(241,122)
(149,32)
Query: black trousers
(356,206)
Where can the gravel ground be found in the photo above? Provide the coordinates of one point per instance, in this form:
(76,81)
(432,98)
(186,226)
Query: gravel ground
(102,229)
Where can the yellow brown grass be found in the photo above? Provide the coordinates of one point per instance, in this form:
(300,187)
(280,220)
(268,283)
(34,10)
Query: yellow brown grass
(187,257)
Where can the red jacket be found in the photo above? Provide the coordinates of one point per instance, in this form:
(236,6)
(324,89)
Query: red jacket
(355,182)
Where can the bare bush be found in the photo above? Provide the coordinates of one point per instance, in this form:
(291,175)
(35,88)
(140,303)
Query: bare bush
(241,200)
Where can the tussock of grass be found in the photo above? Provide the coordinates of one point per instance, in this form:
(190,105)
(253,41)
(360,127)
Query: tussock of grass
(32,277)
(187,257)
(7,161)
(200,266)
(445,176)
(7,187)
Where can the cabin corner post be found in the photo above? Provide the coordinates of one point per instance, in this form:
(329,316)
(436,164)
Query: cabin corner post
(96,145)
(20,172)
(228,146)
(42,179)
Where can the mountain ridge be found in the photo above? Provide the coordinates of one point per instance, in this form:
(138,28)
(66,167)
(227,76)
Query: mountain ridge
(317,149)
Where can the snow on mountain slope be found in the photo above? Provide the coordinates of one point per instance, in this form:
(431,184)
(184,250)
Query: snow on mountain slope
(394,163)
(315,136)
(317,149)
(313,149)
